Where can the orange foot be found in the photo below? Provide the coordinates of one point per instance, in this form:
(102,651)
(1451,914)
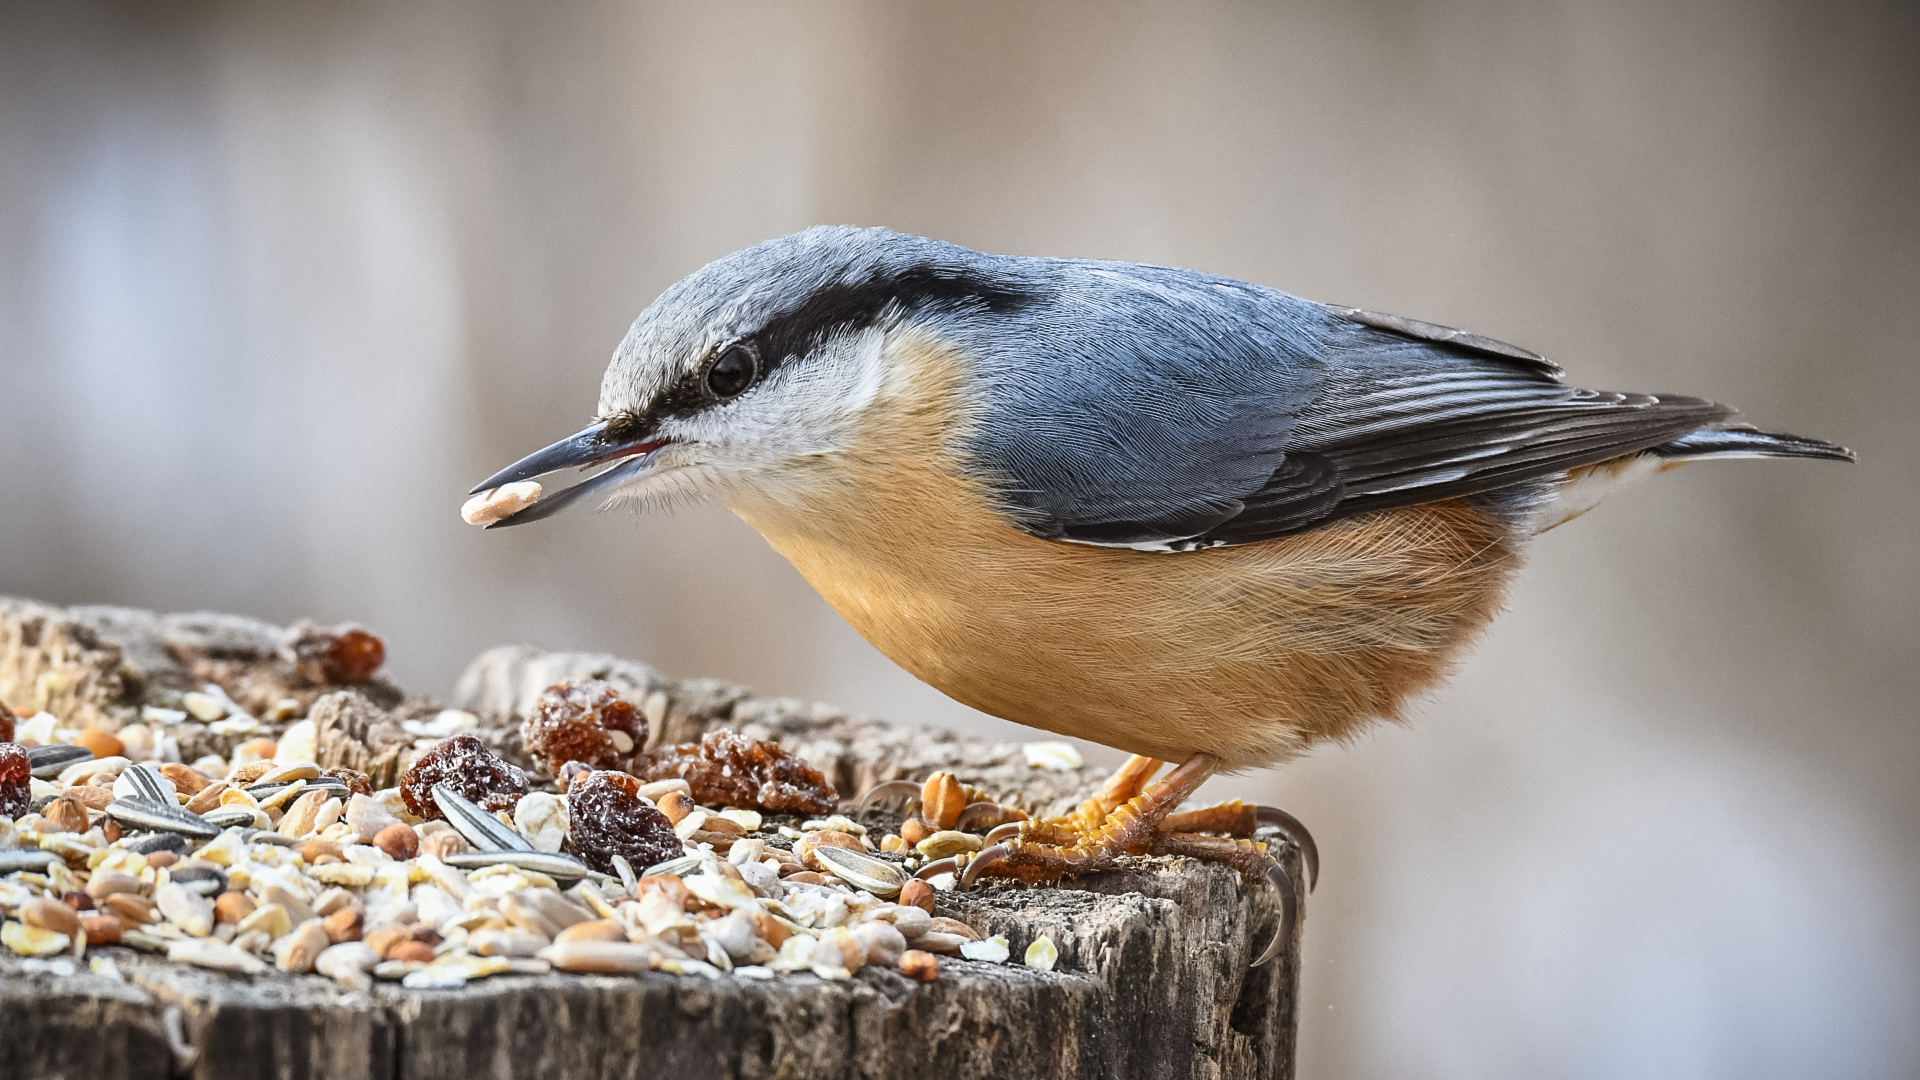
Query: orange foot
(1130,818)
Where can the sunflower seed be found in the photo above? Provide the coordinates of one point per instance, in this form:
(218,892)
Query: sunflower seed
(148,843)
(481,829)
(46,761)
(554,865)
(25,860)
(227,817)
(202,879)
(330,784)
(283,797)
(268,836)
(143,814)
(877,876)
(147,783)
(680,867)
(628,880)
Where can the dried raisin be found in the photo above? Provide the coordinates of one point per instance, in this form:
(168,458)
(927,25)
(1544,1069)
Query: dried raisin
(16,781)
(729,769)
(465,764)
(607,817)
(587,721)
(345,654)
(6,724)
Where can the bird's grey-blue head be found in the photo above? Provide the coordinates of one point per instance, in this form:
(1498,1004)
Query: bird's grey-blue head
(749,371)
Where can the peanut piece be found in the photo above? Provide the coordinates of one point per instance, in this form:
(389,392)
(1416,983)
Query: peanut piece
(186,780)
(382,939)
(593,930)
(207,798)
(676,805)
(101,929)
(104,744)
(412,950)
(303,946)
(917,893)
(231,907)
(342,925)
(399,842)
(803,847)
(314,851)
(920,965)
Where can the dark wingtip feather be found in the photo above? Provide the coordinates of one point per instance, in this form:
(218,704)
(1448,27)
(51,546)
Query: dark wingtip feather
(1742,441)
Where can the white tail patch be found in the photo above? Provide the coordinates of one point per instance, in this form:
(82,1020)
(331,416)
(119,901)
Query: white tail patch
(1586,486)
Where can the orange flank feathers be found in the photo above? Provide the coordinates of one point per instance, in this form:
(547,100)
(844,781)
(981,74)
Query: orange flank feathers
(1251,653)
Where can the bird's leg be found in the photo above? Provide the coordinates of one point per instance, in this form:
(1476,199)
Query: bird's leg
(1126,783)
(1234,818)
(1088,840)
(1124,819)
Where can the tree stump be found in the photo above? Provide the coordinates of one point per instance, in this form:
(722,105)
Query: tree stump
(1152,978)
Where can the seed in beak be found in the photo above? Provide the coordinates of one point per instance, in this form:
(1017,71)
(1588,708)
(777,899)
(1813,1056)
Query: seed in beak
(498,504)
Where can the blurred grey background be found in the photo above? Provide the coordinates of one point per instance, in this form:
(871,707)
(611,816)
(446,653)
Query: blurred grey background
(279,281)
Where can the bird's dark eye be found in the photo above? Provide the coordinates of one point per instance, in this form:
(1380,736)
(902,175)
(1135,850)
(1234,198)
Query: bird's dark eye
(732,373)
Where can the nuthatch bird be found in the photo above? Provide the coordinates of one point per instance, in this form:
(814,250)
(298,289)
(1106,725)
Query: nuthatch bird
(1182,515)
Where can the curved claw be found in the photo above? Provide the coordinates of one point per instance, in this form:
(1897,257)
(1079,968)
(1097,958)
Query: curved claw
(1272,817)
(937,867)
(1278,877)
(982,859)
(975,811)
(890,789)
(1004,832)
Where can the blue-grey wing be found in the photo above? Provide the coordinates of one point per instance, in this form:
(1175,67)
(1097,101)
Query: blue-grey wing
(1401,420)
(1155,408)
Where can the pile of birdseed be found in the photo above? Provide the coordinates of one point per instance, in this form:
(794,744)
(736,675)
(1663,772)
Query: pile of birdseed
(468,868)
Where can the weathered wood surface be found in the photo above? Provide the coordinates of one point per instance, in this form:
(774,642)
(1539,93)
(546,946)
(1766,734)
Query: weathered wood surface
(1150,984)
(1152,978)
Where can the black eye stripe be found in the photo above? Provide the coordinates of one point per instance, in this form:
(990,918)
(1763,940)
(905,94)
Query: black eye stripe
(851,305)
(826,311)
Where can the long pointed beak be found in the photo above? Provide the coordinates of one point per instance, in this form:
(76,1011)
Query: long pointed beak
(593,446)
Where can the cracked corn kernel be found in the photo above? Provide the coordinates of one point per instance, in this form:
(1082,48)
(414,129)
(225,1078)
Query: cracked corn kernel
(1041,954)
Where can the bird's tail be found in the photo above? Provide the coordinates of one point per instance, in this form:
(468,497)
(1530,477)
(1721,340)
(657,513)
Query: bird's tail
(1585,486)
(1741,441)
